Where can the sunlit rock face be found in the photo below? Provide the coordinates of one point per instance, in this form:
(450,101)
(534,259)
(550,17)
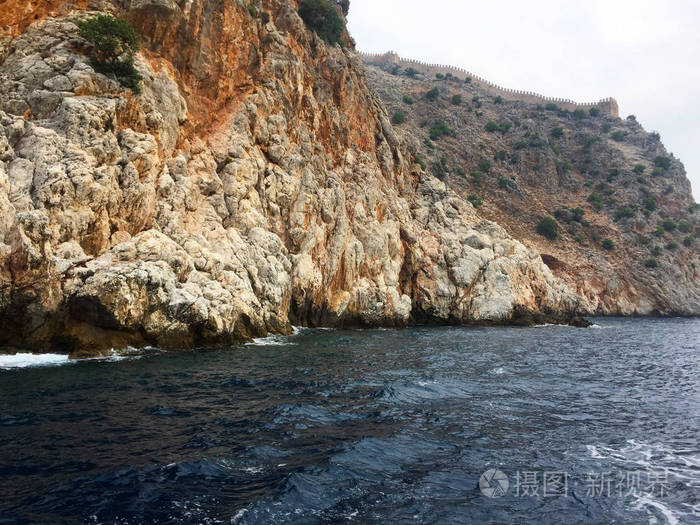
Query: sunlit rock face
(255,183)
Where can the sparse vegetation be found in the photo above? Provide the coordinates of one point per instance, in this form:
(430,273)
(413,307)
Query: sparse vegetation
(619,136)
(485,166)
(411,72)
(399,117)
(649,202)
(662,162)
(477,177)
(669,225)
(651,263)
(114,43)
(456,100)
(433,94)
(639,169)
(596,201)
(498,100)
(547,227)
(440,129)
(500,155)
(594,112)
(688,241)
(607,244)
(407,99)
(475,200)
(557,132)
(579,114)
(625,212)
(684,226)
(491,126)
(322,17)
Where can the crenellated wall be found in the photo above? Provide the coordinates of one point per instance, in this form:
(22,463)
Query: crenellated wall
(607,106)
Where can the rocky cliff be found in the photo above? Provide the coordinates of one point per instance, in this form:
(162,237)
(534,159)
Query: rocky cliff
(625,218)
(255,182)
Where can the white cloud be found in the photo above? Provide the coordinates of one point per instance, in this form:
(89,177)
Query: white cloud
(645,53)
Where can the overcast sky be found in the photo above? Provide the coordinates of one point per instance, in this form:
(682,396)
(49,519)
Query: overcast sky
(645,53)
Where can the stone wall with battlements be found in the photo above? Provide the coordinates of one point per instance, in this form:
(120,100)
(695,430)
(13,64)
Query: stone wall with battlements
(607,106)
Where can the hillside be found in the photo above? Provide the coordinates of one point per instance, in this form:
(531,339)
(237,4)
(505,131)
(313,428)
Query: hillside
(620,205)
(254,182)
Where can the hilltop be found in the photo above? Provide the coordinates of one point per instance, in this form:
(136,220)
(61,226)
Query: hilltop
(620,221)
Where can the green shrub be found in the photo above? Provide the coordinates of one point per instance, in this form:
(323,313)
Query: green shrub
(547,227)
(639,169)
(323,18)
(344,5)
(685,226)
(253,10)
(504,127)
(657,172)
(651,263)
(456,100)
(475,200)
(619,136)
(114,43)
(407,99)
(491,126)
(418,160)
(660,231)
(503,182)
(440,129)
(596,201)
(662,162)
(557,132)
(607,244)
(594,112)
(606,127)
(671,246)
(519,145)
(484,166)
(656,251)
(399,117)
(498,100)
(433,94)
(551,107)
(477,176)
(577,214)
(694,207)
(579,114)
(461,172)
(579,238)
(468,80)
(669,225)
(428,143)
(500,155)
(649,202)
(411,72)
(625,212)
(439,76)
(688,241)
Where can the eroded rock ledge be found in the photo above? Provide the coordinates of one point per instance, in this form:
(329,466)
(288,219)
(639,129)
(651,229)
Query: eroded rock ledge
(255,183)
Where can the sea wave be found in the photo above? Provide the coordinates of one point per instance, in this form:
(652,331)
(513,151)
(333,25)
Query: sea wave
(10,361)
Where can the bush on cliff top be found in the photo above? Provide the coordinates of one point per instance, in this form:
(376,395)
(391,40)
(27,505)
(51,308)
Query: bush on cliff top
(114,43)
(322,16)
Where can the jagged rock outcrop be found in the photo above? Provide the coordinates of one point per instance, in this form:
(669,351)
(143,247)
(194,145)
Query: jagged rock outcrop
(542,161)
(255,183)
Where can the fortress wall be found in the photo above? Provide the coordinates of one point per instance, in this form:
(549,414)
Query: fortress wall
(607,106)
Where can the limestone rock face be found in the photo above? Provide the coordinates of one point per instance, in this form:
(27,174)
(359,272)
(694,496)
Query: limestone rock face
(255,183)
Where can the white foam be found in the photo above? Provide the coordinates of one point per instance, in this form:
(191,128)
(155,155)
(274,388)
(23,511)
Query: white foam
(272,340)
(32,360)
(667,513)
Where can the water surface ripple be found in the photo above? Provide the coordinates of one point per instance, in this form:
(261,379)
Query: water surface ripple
(365,426)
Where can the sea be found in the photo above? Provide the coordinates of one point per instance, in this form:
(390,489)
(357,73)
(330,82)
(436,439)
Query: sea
(425,425)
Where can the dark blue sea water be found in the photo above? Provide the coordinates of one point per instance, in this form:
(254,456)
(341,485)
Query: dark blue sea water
(597,425)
